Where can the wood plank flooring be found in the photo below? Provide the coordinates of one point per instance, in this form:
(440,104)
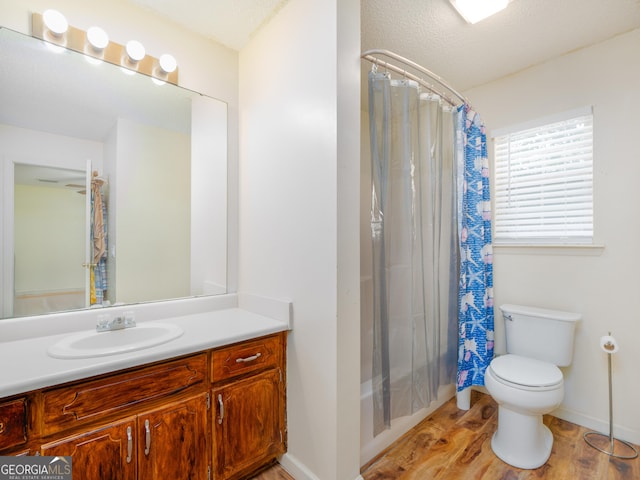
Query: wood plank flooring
(456,445)
(274,473)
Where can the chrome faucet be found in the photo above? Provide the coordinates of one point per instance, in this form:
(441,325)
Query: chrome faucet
(107,323)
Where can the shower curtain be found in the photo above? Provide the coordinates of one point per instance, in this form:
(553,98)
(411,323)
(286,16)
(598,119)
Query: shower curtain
(414,247)
(475,293)
(419,159)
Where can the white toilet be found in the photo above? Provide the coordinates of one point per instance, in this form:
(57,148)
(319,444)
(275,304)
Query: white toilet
(527,383)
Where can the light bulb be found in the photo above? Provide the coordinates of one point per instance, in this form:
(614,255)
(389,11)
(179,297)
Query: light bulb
(55,22)
(135,50)
(168,63)
(98,38)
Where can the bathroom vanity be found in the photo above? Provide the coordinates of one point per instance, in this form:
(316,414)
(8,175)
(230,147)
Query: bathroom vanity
(217,413)
(200,395)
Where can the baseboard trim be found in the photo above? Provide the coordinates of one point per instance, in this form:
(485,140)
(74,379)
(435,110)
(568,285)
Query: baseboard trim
(597,425)
(298,470)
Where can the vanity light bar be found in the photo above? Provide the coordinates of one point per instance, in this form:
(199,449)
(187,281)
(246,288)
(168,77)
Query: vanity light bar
(85,42)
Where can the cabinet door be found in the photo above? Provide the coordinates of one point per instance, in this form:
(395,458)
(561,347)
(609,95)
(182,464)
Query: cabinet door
(13,423)
(107,453)
(173,441)
(248,424)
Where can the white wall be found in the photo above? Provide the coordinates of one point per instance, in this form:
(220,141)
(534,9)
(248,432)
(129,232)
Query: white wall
(348,239)
(299,171)
(110,170)
(49,220)
(208,205)
(600,284)
(160,267)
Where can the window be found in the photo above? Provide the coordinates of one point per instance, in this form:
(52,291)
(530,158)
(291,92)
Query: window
(544,182)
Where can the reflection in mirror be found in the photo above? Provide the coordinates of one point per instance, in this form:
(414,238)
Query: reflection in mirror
(159,157)
(49,216)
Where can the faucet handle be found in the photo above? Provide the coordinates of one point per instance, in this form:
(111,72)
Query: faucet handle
(103,322)
(129,319)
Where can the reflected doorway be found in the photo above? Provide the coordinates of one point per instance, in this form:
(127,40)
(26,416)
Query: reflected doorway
(50,239)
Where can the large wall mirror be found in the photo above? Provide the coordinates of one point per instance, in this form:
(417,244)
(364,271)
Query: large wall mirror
(113,186)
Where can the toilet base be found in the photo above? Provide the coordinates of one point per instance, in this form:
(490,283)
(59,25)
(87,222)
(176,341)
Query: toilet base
(521,440)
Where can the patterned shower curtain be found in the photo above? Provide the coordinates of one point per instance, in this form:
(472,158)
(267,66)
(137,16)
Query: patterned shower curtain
(475,294)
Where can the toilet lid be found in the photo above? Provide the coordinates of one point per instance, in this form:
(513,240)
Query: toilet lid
(526,371)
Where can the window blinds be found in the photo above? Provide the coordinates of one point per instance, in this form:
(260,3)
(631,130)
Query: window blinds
(544,183)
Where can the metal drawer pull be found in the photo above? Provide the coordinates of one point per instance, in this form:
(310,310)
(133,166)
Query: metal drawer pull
(248,359)
(147,429)
(221,405)
(129,444)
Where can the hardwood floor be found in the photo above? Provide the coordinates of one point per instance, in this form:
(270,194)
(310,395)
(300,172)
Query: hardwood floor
(456,445)
(275,472)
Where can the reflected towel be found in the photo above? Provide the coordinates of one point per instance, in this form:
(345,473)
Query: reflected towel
(98,229)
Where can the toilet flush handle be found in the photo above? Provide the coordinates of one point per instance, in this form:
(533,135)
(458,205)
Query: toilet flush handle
(508,317)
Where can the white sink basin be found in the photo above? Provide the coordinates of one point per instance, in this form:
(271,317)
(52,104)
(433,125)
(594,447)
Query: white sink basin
(98,344)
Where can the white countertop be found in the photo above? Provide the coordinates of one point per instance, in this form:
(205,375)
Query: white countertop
(25,364)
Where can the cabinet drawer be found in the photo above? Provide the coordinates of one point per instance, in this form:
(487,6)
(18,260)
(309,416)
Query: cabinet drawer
(247,357)
(13,425)
(66,407)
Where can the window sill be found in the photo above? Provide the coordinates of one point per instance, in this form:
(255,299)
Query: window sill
(591,250)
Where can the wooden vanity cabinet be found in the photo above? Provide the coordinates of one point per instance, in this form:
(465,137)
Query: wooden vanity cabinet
(217,414)
(249,406)
(88,401)
(107,452)
(147,423)
(175,441)
(13,424)
(168,442)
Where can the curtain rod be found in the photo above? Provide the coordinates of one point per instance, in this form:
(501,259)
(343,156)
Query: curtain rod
(370,55)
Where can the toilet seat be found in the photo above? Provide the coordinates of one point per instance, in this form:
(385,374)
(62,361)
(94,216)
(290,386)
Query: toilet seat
(525,373)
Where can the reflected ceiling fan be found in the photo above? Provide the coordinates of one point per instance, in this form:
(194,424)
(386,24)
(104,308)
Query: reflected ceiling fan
(52,177)
(82,189)
(71,183)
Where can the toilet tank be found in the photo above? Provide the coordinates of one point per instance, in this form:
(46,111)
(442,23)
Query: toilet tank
(539,333)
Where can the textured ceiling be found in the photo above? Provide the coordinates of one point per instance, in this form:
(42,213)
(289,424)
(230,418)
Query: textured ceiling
(431,33)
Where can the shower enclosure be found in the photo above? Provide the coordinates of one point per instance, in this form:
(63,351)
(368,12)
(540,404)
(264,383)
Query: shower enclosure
(413,276)
(420,171)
